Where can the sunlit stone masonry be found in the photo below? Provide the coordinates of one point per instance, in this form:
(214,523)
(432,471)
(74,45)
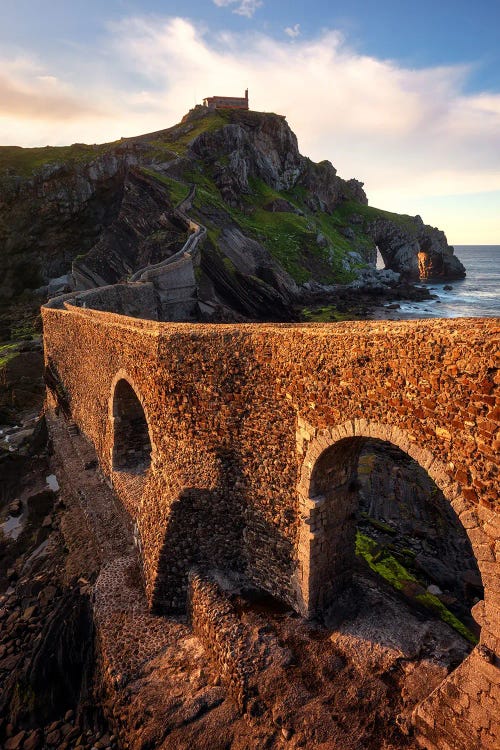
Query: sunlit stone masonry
(234,447)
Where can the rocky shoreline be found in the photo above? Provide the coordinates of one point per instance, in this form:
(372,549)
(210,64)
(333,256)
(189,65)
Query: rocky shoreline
(374,295)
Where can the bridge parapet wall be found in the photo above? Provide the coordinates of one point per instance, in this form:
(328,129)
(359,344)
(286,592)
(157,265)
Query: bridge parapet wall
(241,389)
(238,414)
(131,300)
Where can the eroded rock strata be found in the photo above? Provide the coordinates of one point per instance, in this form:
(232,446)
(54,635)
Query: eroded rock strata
(276,221)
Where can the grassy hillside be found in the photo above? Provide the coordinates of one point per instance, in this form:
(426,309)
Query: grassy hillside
(39,238)
(290,236)
(26,161)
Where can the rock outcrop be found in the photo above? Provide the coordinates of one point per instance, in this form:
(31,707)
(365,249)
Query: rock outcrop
(262,146)
(436,258)
(252,146)
(55,213)
(244,282)
(414,249)
(145,231)
(274,219)
(325,190)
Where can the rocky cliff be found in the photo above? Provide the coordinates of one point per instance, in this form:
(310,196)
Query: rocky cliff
(413,248)
(275,220)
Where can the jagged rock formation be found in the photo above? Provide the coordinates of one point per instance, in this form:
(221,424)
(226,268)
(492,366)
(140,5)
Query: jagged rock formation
(144,232)
(245,278)
(415,249)
(252,146)
(275,220)
(326,190)
(264,148)
(51,214)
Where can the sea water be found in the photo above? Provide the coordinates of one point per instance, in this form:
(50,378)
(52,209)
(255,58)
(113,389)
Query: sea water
(476,296)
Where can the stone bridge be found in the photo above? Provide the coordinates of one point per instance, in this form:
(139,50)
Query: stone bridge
(233,447)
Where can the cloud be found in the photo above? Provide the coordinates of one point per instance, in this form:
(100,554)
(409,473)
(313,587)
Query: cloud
(245,8)
(293,31)
(25,93)
(40,102)
(408,134)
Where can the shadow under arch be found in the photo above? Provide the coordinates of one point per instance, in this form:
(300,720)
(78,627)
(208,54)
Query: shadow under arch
(329,496)
(205,529)
(131,443)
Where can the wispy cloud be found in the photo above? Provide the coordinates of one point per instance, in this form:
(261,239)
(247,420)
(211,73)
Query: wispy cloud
(38,107)
(293,31)
(406,133)
(42,98)
(243,7)
(372,117)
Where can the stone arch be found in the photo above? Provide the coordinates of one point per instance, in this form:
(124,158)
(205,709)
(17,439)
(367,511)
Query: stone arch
(455,709)
(341,445)
(131,443)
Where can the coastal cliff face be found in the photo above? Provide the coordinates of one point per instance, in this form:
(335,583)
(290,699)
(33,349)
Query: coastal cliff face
(264,148)
(145,231)
(253,146)
(52,212)
(275,220)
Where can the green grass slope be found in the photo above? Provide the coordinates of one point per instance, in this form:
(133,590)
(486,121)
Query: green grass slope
(291,237)
(384,564)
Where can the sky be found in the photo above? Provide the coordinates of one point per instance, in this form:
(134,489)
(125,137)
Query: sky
(403,95)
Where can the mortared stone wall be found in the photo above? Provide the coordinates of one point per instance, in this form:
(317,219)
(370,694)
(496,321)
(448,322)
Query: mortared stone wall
(238,417)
